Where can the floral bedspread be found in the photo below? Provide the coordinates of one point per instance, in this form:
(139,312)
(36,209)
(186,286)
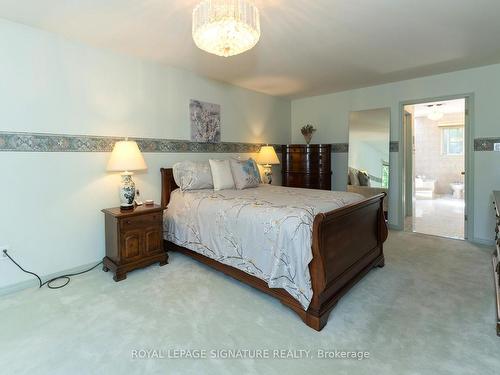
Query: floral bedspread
(264,231)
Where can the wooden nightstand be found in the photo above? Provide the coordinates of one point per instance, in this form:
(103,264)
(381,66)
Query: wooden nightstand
(134,239)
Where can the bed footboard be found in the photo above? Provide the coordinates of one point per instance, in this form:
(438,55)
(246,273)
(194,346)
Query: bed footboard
(347,244)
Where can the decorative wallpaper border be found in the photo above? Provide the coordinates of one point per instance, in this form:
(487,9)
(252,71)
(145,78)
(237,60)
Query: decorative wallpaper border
(394,146)
(338,148)
(485,144)
(37,142)
(344,147)
(375,178)
(46,142)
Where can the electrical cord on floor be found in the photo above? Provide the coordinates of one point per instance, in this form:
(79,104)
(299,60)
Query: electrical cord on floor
(66,277)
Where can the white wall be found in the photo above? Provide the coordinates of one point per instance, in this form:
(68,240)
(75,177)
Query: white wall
(329,113)
(50,214)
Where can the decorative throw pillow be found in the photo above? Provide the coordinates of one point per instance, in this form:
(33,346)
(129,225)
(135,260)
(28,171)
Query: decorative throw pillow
(221,174)
(353,176)
(245,173)
(190,175)
(259,171)
(364,179)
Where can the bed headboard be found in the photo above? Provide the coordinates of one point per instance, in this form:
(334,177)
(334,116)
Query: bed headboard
(168,185)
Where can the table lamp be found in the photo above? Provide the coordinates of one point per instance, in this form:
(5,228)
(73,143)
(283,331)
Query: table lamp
(267,157)
(126,157)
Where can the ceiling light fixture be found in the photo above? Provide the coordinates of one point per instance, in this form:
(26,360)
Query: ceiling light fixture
(226,27)
(436,113)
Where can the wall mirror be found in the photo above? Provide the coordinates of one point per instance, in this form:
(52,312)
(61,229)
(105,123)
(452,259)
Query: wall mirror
(369,137)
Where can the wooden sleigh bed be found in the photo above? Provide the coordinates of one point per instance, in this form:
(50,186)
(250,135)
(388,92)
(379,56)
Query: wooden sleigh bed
(346,244)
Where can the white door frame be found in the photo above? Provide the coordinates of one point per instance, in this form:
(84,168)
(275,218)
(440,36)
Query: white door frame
(469,157)
(409,163)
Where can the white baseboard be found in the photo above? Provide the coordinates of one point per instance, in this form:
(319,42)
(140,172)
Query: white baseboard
(33,283)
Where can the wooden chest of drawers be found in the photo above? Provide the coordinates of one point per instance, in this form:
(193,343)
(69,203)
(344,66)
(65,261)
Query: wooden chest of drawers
(307,166)
(134,239)
(496,255)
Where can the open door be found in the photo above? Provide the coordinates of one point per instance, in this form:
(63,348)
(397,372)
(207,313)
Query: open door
(435,153)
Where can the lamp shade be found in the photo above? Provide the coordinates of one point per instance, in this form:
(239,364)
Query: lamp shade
(126,156)
(267,155)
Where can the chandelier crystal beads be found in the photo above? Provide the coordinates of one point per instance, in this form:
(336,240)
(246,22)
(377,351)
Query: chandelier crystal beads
(226,27)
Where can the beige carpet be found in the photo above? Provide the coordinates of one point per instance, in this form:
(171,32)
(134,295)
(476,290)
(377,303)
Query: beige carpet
(429,311)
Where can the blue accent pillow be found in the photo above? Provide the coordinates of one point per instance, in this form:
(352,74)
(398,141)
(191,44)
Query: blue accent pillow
(245,173)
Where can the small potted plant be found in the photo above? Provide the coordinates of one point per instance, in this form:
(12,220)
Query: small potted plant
(307,131)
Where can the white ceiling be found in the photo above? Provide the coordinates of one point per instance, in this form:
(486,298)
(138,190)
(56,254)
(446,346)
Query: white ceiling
(446,107)
(307,47)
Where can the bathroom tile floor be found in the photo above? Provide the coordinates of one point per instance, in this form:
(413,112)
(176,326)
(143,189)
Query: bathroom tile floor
(441,216)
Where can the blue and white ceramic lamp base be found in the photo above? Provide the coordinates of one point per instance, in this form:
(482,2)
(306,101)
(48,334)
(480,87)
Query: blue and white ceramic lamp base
(268,174)
(127,191)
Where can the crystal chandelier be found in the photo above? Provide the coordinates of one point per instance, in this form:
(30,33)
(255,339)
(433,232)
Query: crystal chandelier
(226,27)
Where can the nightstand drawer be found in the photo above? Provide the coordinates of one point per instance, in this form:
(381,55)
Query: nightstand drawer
(141,221)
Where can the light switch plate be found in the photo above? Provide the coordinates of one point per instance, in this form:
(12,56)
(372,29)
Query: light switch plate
(496,146)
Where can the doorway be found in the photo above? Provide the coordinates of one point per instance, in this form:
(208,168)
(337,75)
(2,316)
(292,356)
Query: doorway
(435,152)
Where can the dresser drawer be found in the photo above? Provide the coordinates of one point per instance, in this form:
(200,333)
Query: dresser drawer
(308,156)
(304,168)
(142,221)
(311,149)
(307,163)
(309,181)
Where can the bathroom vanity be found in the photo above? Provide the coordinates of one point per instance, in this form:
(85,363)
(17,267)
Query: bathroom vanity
(496,255)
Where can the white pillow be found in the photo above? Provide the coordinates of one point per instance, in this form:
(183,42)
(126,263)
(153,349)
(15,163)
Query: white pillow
(221,174)
(353,176)
(190,175)
(245,173)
